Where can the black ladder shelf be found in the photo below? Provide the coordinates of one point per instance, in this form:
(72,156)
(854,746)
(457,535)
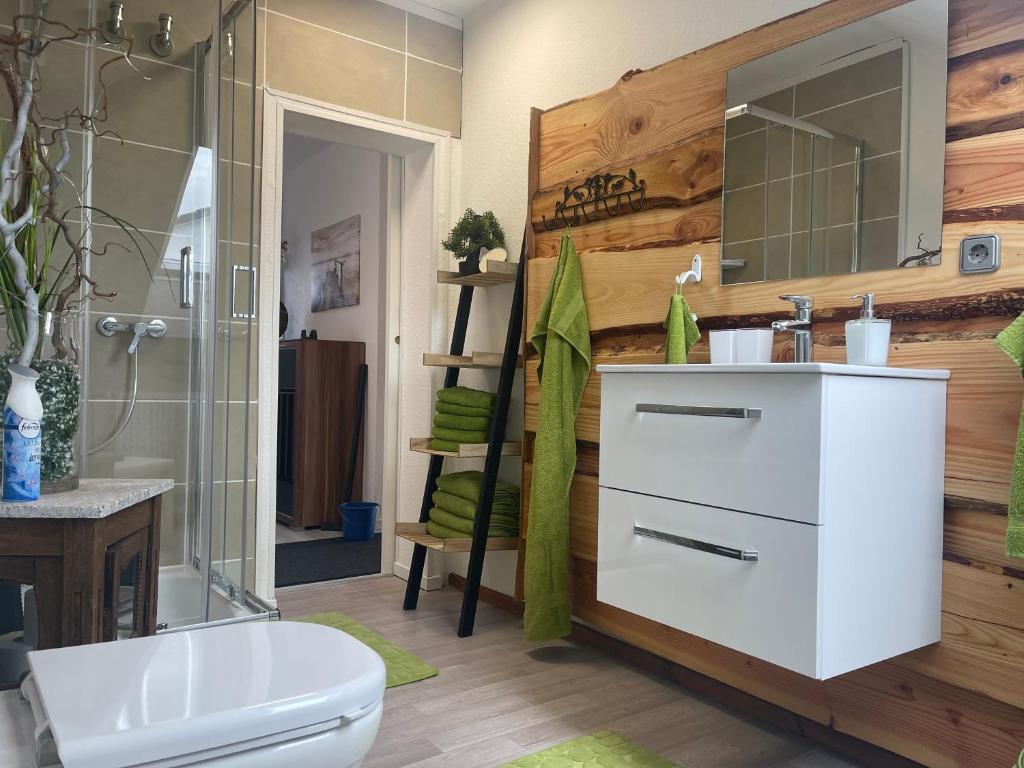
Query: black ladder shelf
(479,543)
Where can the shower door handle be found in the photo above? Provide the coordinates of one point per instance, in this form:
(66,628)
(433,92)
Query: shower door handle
(251,313)
(185,276)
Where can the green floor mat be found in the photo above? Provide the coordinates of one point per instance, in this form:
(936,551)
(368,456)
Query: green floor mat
(604,749)
(402,666)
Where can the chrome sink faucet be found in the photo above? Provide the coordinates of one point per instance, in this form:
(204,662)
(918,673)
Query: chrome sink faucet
(800,326)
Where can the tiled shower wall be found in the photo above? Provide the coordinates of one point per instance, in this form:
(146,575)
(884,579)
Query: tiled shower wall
(359,54)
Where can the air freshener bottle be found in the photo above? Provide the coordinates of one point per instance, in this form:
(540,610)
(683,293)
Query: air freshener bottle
(23,413)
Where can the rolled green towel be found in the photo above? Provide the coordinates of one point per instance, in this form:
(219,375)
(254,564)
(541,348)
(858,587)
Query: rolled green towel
(469,423)
(467,485)
(464,526)
(1011,341)
(682,330)
(443,532)
(444,445)
(461,410)
(466,396)
(459,435)
(466,509)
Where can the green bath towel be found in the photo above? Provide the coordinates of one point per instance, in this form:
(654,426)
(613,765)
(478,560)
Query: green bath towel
(466,509)
(469,423)
(444,532)
(682,330)
(467,485)
(459,435)
(461,410)
(1011,341)
(444,445)
(562,339)
(466,396)
(456,523)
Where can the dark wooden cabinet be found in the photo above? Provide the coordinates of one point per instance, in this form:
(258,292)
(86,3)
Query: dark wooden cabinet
(92,579)
(317,412)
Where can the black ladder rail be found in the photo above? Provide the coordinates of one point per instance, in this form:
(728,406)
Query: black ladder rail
(495,443)
(451,379)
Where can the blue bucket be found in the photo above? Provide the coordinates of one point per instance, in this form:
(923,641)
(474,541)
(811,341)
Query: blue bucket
(359,520)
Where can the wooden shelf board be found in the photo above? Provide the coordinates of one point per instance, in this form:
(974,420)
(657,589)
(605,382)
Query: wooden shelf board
(498,273)
(474,360)
(466,450)
(417,533)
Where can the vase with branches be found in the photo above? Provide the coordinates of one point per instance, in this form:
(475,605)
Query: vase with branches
(45,238)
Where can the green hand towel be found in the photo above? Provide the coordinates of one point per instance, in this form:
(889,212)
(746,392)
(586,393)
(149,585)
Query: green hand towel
(466,509)
(443,531)
(468,423)
(466,396)
(444,445)
(459,435)
(464,526)
(562,339)
(1011,341)
(467,485)
(461,410)
(682,330)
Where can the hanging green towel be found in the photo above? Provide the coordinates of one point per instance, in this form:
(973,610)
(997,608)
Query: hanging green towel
(469,423)
(461,410)
(1011,341)
(465,396)
(562,339)
(682,330)
(459,435)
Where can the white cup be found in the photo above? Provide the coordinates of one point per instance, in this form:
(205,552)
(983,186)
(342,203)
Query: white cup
(723,347)
(754,345)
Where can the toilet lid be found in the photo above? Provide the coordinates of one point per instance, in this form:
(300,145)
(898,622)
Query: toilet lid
(126,703)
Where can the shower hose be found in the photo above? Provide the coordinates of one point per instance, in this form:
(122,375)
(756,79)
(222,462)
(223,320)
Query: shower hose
(131,407)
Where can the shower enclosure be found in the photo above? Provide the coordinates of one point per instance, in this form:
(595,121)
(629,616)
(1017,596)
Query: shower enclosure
(183,168)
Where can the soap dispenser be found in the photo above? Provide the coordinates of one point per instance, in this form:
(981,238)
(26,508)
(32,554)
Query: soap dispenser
(867,337)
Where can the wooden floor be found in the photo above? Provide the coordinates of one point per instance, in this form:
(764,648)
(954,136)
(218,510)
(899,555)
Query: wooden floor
(498,697)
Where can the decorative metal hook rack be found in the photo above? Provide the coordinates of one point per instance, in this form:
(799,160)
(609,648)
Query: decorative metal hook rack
(601,196)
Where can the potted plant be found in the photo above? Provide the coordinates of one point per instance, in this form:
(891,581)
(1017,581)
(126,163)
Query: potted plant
(44,249)
(472,232)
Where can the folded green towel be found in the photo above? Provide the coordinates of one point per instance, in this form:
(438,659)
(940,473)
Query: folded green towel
(444,445)
(561,337)
(1011,341)
(459,435)
(682,330)
(461,410)
(464,526)
(469,423)
(444,532)
(466,509)
(466,396)
(467,485)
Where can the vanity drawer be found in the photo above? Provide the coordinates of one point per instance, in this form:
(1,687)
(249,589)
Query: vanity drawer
(681,565)
(750,443)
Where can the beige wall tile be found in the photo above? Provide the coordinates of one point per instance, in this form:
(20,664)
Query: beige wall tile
(229,441)
(61,86)
(434,96)
(366,19)
(777,258)
(853,82)
(779,207)
(881,187)
(163,363)
(879,244)
(435,41)
(152,445)
(743,214)
(744,160)
(139,184)
(174,526)
(312,62)
(753,253)
(156,111)
(146,282)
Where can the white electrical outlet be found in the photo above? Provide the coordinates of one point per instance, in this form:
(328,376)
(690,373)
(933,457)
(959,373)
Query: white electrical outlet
(979,253)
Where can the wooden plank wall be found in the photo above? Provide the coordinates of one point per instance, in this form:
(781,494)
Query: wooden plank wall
(961,702)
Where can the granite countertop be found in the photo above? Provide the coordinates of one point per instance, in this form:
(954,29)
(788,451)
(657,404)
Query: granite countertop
(94,499)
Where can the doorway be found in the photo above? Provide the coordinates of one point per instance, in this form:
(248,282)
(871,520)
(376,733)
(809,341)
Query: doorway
(353,212)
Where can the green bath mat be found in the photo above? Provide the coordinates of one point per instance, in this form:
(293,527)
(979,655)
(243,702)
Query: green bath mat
(402,666)
(604,749)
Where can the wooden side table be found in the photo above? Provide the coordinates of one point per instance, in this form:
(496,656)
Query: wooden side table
(91,556)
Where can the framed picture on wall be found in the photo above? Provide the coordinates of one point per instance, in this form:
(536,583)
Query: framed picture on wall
(335,273)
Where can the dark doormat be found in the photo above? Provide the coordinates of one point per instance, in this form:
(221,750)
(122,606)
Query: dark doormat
(304,562)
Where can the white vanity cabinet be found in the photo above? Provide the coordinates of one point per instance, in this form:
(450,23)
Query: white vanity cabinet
(790,511)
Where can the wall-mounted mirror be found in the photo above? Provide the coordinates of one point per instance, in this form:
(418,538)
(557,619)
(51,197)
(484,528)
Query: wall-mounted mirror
(834,151)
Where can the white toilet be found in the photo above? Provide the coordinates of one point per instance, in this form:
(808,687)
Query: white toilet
(254,694)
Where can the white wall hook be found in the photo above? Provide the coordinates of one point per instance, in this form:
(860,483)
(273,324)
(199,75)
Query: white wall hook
(693,275)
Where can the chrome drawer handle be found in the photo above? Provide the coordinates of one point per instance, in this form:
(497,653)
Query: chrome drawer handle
(699,410)
(747,555)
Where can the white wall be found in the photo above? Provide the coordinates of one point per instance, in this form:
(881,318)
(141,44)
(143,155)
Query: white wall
(324,183)
(520,54)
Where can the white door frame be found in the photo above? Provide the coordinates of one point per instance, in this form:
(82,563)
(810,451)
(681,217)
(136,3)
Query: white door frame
(276,105)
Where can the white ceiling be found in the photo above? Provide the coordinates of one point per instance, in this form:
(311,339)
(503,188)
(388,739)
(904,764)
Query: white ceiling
(460,8)
(450,12)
